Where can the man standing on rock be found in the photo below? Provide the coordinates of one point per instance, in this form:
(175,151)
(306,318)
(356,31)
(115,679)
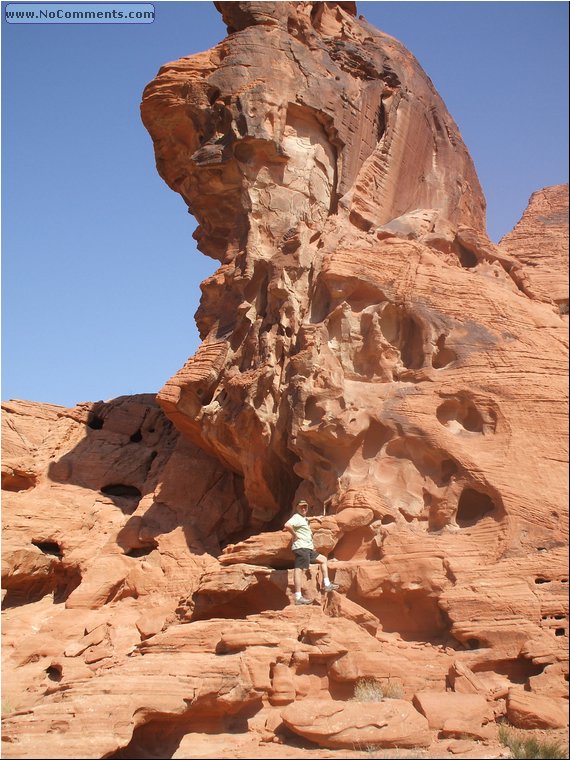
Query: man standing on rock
(304,551)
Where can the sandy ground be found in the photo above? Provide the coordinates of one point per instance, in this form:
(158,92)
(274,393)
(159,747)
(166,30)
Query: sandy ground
(226,746)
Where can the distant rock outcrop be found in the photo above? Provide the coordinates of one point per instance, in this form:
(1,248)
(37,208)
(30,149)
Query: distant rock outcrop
(540,243)
(366,347)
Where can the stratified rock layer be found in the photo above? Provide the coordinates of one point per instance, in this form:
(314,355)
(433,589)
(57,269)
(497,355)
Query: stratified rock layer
(540,242)
(365,347)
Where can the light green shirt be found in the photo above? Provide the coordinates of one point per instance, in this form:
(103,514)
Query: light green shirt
(303,532)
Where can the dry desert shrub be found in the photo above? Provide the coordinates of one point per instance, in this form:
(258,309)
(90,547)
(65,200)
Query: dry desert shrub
(375,690)
(524,746)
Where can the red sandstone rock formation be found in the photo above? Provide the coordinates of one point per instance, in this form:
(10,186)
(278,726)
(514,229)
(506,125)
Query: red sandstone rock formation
(540,242)
(366,347)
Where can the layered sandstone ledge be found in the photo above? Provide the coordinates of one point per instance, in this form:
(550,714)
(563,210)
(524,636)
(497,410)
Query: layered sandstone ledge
(366,347)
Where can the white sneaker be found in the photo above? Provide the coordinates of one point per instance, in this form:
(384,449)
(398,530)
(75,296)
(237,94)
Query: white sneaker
(302,600)
(331,586)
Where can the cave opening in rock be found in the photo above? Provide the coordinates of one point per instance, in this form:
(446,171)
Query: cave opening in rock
(49,547)
(142,551)
(192,733)
(473,506)
(54,672)
(94,421)
(443,355)
(460,411)
(121,490)
(126,497)
(260,596)
(413,613)
(518,670)
(467,258)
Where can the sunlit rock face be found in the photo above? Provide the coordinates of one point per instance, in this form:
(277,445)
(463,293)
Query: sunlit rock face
(366,347)
(304,133)
(540,243)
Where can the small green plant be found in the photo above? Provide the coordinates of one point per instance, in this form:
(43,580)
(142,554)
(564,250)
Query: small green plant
(531,746)
(375,690)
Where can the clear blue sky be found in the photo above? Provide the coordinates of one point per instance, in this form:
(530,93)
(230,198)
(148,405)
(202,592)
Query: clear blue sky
(100,275)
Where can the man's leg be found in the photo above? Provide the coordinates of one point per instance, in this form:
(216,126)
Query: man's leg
(297,580)
(322,560)
(301,564)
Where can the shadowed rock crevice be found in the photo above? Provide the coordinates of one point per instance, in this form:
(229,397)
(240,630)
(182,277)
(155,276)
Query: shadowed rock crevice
(474,506)
(443,355)
(54,578)
(238,603)
(162,735)
(126,497)
(18,481)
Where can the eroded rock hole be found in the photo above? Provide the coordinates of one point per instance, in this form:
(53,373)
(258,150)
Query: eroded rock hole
(123,496)
(442,356)
(374,439)
(321,302)
(415,615)
(467,258)
(473,506)
(357,544)
(427,462)
(18,481)
(403,332)
(460,413)
(121,490)
(559,632)
(49,547)
(143,551)
(136,437)
(54,672)
(365,298)
(259,597)
(518,670)
(448,468)
(95,422)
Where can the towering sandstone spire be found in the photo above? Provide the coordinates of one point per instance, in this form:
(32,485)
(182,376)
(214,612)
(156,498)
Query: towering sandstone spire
(366,347)
(352,333)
